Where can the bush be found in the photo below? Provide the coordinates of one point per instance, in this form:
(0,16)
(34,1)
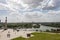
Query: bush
(47,30)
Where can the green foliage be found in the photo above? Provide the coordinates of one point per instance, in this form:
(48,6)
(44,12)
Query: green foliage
(28,25)
(19,25)
(0,25)
(36,26)
(52,24)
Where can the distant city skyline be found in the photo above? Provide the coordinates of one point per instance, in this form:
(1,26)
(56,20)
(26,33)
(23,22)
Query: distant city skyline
(30,10)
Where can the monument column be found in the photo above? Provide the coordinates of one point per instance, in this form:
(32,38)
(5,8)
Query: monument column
(5,22)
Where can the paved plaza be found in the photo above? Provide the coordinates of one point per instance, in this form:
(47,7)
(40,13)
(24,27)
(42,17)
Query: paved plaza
(10,34)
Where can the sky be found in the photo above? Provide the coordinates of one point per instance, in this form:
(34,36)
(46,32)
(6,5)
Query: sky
(30,10)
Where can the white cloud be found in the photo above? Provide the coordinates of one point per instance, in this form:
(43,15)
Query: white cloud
(52,5)
(26,7)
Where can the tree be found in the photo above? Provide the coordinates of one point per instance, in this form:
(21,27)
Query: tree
(36,26)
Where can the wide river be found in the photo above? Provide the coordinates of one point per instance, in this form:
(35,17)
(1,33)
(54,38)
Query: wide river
(44,28)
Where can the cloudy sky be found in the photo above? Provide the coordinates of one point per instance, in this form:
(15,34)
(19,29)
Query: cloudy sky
(30,10)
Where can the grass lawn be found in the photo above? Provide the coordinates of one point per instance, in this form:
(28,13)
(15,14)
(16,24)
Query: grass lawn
(41,36)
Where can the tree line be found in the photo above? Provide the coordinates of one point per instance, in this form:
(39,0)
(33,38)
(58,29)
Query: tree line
(21,25)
